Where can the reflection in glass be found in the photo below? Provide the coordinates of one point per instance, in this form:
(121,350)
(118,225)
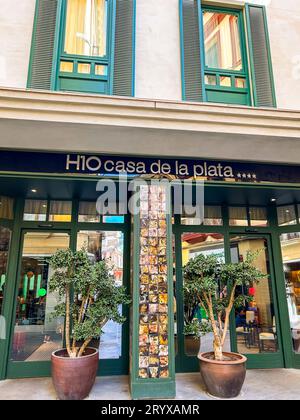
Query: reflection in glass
(290,245)
(222,41)
(211,80)
(194,244)
(286,215)
(107,246)
(36,334)
(212,217)
(6,208)
(5,237)
(225,81)
(60,211)
(238,216)
(258,216)
(86,28)
(35,211)
(256,328)
(88,212)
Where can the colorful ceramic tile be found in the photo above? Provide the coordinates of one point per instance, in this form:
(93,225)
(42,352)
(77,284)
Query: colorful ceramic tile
(153,328)
(143,241)
(144,361)
(153,318)
(164,373)
(144,269)
(163,361)
(145,279)
(144,351)
(163,298)
(163,319)
(144,309)
(153,308)
(163,350)
(144,288)
(153,269)
(153,233)
(153,298)
(153,242)
(153,371)
(162,288)
(162,309)
(162,260)
(153,349)
(145,233)
(163,269)
(153,339)
(153,361)
(163,329)
(153,224)
(143,339)
(153,288)
(143,373)
(144,319)
(144,329)
(163,340)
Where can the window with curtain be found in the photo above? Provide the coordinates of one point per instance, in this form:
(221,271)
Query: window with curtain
(86,28)
(222,41)
(6,208)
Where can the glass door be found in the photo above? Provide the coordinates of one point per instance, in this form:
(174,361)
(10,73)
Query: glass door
(255,326)
(36,334)
(109,245)
(290,248)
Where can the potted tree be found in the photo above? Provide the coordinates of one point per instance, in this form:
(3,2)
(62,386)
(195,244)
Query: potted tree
(89,298)
(215,283)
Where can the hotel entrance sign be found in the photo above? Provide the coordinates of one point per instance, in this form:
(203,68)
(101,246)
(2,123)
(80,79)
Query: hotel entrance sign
(103,165)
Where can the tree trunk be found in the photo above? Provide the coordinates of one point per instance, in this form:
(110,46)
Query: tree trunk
(218,350)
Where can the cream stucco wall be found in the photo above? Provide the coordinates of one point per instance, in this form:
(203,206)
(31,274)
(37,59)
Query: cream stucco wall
(16,23)
(158,71)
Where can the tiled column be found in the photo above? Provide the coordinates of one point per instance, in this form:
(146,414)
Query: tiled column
(152,346)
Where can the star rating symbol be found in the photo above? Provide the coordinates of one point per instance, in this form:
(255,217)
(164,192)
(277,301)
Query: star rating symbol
(245,175)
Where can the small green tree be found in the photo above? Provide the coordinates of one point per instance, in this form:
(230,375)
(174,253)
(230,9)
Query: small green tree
(214,284)
(89,298)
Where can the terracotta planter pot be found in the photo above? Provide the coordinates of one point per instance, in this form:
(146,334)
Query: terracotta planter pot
(73,379)
(223,379)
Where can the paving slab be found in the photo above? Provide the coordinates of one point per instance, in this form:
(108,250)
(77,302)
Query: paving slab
(259,385)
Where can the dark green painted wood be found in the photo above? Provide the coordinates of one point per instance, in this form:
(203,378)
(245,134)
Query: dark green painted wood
(10,369)
(191,58)
(43,45)
(160,387)
(124,48)
(260,57)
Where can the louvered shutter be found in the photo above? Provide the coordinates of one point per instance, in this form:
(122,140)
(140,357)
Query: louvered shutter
(192,66)
(260,57)
(43,42)
(123,74)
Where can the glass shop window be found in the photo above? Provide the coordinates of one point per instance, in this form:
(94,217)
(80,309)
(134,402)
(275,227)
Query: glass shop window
(286,215)
(258,216)
(238,216)
(60,211)
(88,212)
(212,217)
(35,211)
(6,208)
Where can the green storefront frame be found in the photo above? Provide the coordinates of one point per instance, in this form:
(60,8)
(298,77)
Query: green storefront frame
(10,369)
(287,357)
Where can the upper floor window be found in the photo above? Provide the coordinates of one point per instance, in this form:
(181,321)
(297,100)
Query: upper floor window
(226,54)
(83,46)
(222,41)
(86,28)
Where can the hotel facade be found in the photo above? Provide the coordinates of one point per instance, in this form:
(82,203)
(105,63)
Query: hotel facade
(180,89)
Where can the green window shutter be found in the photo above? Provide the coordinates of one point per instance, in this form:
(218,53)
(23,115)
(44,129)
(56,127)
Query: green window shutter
(43,45)
(260,57)
(124,54)
(192,60)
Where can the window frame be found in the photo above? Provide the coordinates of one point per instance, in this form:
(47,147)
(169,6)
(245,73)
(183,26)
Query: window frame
(106,60)
(233,74)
